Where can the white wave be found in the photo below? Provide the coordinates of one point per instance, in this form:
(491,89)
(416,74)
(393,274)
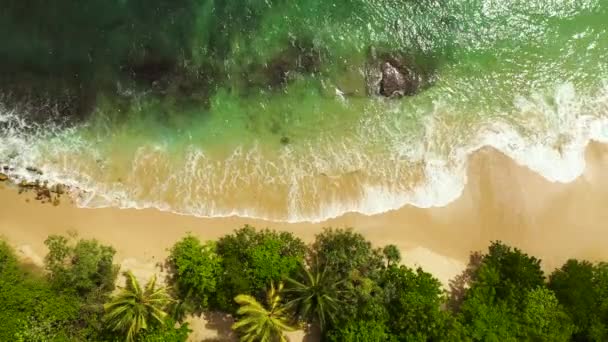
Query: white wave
(570,121)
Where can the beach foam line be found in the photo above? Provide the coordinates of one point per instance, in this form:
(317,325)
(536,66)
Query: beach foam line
(444,178)
(443,183)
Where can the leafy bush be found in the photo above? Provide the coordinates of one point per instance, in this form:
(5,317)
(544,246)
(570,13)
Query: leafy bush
(362,331)
(31,309)
(342,252)
(167,333)
(83,265)
(507,299)
(253,259)
(582,288)
(196,269)
(413,301)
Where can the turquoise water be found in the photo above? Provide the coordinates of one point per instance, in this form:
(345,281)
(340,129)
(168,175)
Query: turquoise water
(260,108)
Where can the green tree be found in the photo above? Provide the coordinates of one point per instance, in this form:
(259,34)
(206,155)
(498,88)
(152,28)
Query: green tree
(351,261)
(252,259)
(342,252)
(167,332)
(486,320)
(196,269)
(413,300)
(314,296)
(83,265)
(507,295)
(258,323)
(31,309)
(541,318)
(391,254)
(581,287)
(134,308)
(9,267)
(516,272)
(361,299)
(362,331)
(544,319)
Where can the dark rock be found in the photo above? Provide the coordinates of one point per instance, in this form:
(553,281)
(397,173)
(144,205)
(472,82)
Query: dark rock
(3,177)
(165,78)
(149,69)
(58,189)
(393,81)
(42,98)
(299,57)
(33,170)
(285,140)
(28,185)
(43,194)
(395,75)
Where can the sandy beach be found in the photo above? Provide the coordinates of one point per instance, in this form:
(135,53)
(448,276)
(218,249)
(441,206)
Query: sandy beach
(502,201)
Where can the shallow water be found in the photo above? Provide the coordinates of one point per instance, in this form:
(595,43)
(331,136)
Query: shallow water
(527,77)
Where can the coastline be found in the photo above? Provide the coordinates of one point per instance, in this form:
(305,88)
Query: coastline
(501,201)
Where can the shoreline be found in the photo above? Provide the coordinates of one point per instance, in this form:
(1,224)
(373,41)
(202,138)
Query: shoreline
(501,201)
(427,182)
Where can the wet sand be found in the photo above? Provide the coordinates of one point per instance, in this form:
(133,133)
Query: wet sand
(502,201)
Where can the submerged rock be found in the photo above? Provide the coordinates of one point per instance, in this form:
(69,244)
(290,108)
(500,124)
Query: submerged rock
(395,75)
(34,170)
(299,57)
(149,68)
(58,189)
(28,185)
(42,191)
(393,81)
(60,99)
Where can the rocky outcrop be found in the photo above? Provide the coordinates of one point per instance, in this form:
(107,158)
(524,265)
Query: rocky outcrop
(394,82)
(34,170)
(394,75)
(298,57)
(42,191)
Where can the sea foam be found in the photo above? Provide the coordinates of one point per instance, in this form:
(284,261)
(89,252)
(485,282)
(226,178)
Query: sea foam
(570,121)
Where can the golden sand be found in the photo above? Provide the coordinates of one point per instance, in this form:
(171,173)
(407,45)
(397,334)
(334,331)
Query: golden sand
(502,201)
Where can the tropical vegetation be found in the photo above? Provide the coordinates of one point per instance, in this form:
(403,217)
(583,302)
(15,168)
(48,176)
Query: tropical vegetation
(260,323)
(340,287)
(134,309)
(314,296)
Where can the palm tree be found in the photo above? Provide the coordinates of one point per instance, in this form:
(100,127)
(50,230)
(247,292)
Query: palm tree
(315,295)
(133,309)
(259,323)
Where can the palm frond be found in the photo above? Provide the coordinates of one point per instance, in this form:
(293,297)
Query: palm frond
(132,310)
(259,323)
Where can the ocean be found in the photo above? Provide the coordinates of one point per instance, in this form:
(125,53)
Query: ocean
(267,109)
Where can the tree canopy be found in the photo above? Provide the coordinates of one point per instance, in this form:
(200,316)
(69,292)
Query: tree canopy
(340,285)
(508,296)
(582,288)
(81,265)
(252,259)
(196,269)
